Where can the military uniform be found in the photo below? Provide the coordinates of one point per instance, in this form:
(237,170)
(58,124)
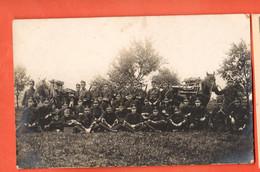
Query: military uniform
(238,117)
(133,122)
(85,96)
(219,119)
(155,122)
(176,121)
(29,121)
(154,96)
(30,93)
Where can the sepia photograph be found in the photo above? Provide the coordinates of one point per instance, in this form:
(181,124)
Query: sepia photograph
(133,91)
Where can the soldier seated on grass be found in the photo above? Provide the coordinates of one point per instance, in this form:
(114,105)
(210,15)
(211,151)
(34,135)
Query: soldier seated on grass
(44,114)
(68,120)
(237,116)
(155,122)
(107,121)
(133,121)
(29,121)
(85,122)
(219,116)
(96,111)
(120,115)
(55,125)
(177,120)
(198,116)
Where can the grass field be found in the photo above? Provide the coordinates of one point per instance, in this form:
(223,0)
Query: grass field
(43,150)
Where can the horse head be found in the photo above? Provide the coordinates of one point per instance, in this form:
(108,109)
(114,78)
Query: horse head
(210,80)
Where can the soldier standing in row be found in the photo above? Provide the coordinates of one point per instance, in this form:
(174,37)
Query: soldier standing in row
(30,93)
(154,95)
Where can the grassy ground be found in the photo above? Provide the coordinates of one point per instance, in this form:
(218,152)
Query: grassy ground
(43,150)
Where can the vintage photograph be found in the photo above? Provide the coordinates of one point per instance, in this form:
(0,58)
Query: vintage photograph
(133,91)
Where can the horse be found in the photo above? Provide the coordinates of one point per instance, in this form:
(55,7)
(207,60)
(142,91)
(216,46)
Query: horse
(206,86)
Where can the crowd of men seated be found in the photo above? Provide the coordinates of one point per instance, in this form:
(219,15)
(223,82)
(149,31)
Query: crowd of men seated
(127,108)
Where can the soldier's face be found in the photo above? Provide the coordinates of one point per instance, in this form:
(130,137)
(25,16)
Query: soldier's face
(121,108)
(186,102)
(86,111)
(80,103)
(109,109)
(46,103)
(237,103)
(83,85)
(166,101)
(95,104)
(133,110)
(56,118)
(77,87)
(155,113)
(30,103)
(153,85)
(100,99)
(118,97)
(66,114)
(105,87)
(31,84)
(145,102)
(165,85)
(197,103)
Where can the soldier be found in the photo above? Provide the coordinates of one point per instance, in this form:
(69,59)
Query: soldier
(96,110)
(154,95)
(120,115)
(30,93)
(84,94)
(155,122)
(107,94)
(238,116)
(128,102)
(94,91)
(108,120)
(198,116)
(117,102)
(77,93)
(79,108)
(167,108)
(176,121)
(230,92)
(85,122)
(139,96)
(55,124)
(117,90)
(166,91)
(186,111)
(68,120)
(133,121)
(218,119)
(44,113)
(126,89)
(29,122)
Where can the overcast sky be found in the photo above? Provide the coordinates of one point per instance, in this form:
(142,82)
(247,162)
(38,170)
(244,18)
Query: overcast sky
(78,49)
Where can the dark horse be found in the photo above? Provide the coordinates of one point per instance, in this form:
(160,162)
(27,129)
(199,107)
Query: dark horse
(206,86)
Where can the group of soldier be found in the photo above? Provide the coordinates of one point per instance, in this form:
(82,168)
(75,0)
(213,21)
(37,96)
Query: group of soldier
(128,108)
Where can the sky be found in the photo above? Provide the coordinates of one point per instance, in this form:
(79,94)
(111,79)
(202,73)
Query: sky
(78,49)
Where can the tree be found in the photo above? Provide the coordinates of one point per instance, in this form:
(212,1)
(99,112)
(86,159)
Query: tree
(20,81)
(136,62)
(166,74)
(237,67)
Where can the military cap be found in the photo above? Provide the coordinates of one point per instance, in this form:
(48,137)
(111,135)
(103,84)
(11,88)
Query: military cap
(82,82)
(153,81)
(77,84)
